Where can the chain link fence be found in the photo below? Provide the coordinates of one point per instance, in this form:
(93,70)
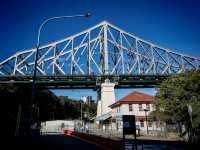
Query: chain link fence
(167,132)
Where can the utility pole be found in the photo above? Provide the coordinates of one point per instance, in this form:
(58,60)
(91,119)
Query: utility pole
(146,110)
(81,112)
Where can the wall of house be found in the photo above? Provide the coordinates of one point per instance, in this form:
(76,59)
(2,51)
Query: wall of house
(123,109)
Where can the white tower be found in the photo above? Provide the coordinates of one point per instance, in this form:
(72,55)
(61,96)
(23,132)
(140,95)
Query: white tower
(106,98)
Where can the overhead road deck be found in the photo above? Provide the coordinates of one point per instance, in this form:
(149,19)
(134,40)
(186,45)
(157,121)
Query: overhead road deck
(87,82)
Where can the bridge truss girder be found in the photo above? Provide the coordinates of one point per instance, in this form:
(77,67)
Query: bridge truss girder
(101,50)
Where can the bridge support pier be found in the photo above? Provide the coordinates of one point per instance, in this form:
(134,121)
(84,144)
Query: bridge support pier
(98,102)
(105,97)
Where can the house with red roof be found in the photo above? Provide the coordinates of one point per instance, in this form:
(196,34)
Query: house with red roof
(135,103)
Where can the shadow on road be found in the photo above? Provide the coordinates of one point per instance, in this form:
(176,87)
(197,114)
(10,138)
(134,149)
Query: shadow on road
(61,142)
(48,142)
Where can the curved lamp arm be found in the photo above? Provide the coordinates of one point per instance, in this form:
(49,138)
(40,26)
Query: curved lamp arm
(54,18)
(39,32)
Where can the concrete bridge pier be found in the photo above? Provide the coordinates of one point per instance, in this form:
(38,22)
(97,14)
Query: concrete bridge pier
(105,97)
(98,102)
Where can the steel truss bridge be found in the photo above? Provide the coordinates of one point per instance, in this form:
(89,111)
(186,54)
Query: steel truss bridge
(89,57)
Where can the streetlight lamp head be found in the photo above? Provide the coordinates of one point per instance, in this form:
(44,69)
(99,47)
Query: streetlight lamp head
(88,15)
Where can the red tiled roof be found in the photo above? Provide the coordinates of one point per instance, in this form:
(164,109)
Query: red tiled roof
(134,97)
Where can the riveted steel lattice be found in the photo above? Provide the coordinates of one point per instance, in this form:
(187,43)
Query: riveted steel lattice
(101,50)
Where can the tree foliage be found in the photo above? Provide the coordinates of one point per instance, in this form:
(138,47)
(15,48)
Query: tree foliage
(49,106)
(13,96)
(73,109)
(173,97)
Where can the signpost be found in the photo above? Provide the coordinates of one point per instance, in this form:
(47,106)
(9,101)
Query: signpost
(129,128)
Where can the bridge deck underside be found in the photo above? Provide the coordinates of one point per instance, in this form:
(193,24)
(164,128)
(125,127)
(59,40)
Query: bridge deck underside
(84,81)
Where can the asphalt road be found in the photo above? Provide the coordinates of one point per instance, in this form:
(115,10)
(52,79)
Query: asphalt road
(61,142)
(50,142)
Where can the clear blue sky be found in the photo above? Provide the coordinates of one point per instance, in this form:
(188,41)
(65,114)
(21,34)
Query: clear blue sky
(173,24)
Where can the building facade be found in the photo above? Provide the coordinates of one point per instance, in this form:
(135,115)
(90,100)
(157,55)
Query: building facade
(135,103)
(86,99)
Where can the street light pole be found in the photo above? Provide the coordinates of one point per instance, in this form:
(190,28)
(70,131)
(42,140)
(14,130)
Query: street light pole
(36,58)
(145,110)
(81,112)
(81,115)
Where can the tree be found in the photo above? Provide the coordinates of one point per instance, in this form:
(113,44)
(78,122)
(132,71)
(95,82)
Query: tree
(49,106)
(13,96)
(73,109)
(173,97)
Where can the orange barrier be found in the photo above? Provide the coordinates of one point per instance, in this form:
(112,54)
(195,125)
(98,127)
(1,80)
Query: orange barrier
(68,132)
(106,143)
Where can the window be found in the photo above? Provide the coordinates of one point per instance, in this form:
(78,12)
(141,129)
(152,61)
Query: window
(141,123)
(130,107)
(148,106)
(140,107)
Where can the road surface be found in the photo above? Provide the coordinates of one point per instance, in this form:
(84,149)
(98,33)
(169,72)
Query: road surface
(49,142)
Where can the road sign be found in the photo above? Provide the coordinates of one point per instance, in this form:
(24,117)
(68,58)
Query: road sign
(129,127)
(129,124)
